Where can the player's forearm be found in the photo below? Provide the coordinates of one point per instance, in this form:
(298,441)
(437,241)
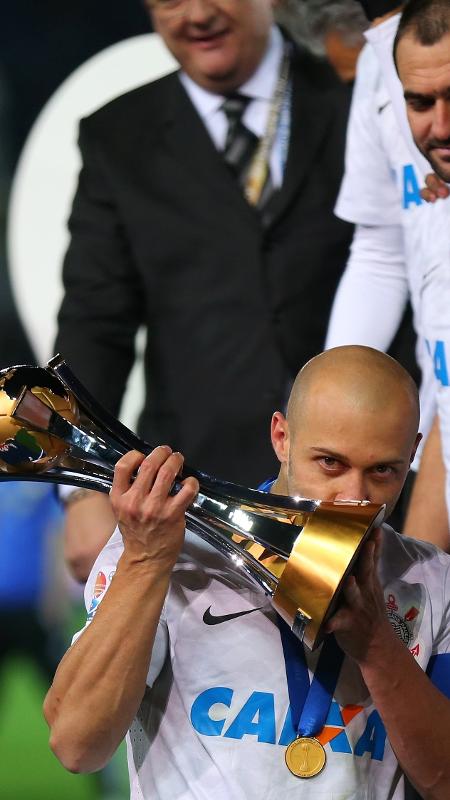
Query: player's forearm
(101,680)
(89,523)
(416,716)
(427,516)
(373,291)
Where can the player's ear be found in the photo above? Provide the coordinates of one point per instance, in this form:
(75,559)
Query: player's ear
(279,434)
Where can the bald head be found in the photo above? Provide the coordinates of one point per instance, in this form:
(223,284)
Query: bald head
(351,428)
(364,378)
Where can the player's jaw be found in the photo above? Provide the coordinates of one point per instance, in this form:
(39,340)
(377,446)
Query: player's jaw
(438,154)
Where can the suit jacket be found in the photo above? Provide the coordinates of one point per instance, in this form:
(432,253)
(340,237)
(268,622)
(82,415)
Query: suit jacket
(234,302)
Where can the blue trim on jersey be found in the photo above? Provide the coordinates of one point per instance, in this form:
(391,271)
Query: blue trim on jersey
(267,485)
(438,671)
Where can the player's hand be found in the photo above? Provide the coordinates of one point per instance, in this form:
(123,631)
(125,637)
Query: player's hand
(150,519)
(435,189)
(361,622)
(378,8)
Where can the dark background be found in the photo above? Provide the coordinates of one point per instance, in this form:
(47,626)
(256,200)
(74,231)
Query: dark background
(41,43)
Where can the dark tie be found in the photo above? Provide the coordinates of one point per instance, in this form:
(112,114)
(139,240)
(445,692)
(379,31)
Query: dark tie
(241,144)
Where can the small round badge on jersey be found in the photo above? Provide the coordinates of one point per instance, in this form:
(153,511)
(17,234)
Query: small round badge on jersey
(305,757)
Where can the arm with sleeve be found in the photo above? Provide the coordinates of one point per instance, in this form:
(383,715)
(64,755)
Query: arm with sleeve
(373,291)
(97,585)
(88,524)
(125,644)
(392,672)
(438,669)
(436,317)
(371,297)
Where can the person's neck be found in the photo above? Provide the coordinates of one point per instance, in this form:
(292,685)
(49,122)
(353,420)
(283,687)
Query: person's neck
(280,485)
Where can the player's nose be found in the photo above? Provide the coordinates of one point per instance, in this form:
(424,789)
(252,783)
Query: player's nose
(441,120)
(352,487)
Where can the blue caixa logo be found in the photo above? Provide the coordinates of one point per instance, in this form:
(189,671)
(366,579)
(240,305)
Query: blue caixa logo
(410,187)
(438,355)
(214,714)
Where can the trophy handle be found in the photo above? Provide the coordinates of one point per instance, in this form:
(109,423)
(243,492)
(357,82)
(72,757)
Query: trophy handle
(101,418)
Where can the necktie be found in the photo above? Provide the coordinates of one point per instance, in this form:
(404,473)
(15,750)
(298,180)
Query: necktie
(240,143)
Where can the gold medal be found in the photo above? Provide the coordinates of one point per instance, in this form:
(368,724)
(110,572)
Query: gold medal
(305,757)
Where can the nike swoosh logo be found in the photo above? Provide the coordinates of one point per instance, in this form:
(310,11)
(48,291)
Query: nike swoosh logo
(385,105)
(209,619)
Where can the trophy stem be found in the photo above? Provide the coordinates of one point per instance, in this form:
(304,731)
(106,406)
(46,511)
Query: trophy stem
(234,551)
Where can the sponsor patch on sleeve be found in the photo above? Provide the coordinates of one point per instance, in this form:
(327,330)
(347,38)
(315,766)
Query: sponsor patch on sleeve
(100,586)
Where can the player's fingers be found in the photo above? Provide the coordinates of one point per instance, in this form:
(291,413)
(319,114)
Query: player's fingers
(428,196)
(365,566)
(186,495)
(340,621)
(124,471)
(168,472)
(436,185)
(351,592)
(149,470)
(377,538)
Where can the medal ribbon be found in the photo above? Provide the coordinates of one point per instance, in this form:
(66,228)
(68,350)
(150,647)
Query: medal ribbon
(279,112)
(310,704)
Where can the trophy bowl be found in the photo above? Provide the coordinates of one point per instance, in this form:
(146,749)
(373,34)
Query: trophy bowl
(298,551)
(24,448)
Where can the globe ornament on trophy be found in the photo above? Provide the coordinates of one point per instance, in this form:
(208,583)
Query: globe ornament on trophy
(297,551)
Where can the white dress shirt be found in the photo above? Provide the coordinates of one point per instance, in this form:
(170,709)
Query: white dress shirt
(260,87)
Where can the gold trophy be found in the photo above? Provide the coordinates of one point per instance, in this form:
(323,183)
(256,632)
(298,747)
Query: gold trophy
(298,551)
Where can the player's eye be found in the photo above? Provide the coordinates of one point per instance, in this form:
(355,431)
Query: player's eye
(420,104)
(329,463)
(384,470)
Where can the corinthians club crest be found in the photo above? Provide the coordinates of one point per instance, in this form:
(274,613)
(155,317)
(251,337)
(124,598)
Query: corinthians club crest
(404,608)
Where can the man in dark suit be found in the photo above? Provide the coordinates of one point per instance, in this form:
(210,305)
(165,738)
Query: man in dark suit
(235,297)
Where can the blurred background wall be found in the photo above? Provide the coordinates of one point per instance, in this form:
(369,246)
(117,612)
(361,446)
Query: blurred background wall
(41,43)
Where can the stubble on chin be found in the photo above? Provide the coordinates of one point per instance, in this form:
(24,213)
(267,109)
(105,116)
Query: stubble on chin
(441,169)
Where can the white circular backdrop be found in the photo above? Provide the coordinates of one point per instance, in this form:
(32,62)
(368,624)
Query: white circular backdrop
(44,185)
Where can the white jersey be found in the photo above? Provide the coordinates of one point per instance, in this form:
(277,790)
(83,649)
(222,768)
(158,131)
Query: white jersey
(427,248)
(215,719)
(436,315)
(381,38)
(381,194)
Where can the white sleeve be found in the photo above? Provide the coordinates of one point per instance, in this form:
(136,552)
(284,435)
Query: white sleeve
(97,585)
(435,292)
(368,194)
(373,290)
